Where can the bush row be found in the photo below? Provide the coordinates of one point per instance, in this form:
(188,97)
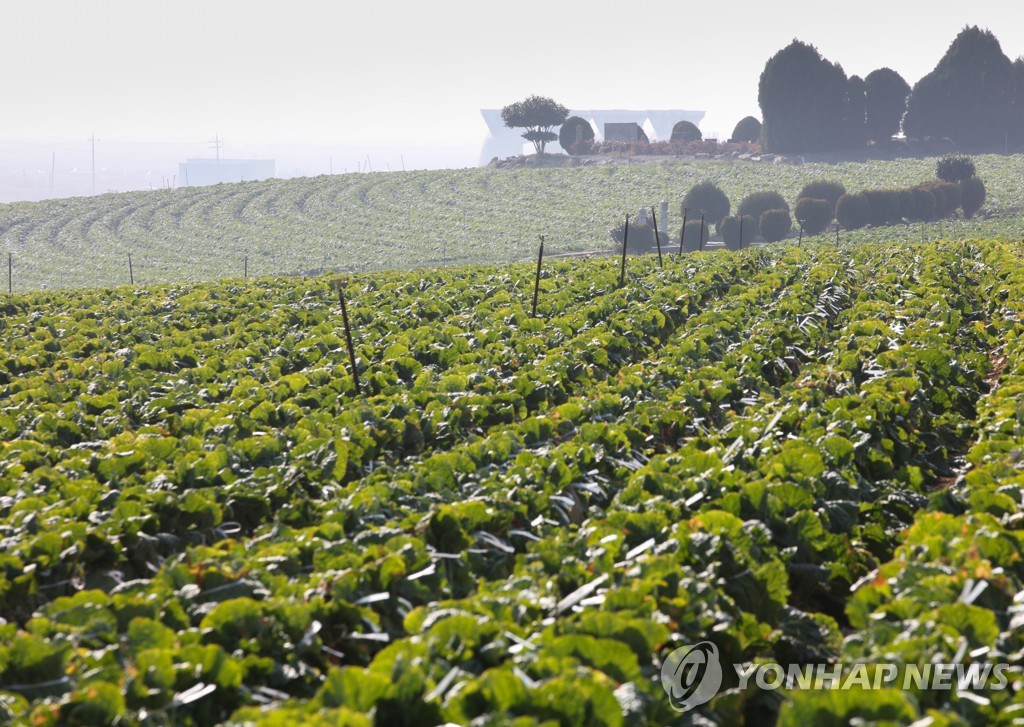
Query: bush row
(818,204)
(923,202)
(662,148)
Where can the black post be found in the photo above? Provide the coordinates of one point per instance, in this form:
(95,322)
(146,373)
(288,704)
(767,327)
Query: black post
(348,338)
(131,273)
(245,267)
(700,240)
(536,283)
(625,241)
(682,234)
(657,237)
(801,240)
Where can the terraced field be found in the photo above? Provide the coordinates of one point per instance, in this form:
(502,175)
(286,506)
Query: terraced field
(363,222)
(800,454)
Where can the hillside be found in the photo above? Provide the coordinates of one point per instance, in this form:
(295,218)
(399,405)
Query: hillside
(797,454)
(399,220)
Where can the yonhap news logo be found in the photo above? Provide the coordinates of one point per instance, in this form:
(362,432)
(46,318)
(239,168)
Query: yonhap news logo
(692,676)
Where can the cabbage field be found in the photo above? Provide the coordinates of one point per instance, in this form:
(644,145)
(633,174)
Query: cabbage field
(801,454)
(399,220)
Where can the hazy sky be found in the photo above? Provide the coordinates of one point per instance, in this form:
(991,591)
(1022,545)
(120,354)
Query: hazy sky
(374,71)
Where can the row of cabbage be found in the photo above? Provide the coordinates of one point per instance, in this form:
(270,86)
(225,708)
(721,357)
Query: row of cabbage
(360,222)
(521,519)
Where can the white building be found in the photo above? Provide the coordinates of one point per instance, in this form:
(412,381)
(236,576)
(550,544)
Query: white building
(505,142)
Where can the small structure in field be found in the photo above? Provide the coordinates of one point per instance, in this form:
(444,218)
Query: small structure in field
(623,131)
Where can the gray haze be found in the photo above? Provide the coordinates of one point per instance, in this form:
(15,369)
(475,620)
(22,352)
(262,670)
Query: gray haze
(307,80)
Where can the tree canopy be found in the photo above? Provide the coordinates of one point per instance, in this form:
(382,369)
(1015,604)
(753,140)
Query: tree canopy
(1017,108)
(538,115)
(886,103)
(969,95)
(856,112)
(803,100)
(747,129)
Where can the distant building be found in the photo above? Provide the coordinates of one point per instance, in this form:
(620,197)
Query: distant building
(618,131)
(657,124)
(203,172)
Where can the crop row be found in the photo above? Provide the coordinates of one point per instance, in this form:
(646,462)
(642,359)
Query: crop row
(522,517)
(360,222)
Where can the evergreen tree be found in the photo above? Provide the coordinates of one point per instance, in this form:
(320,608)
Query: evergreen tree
(887,94)
(747,129)
(575,127)
(686,131)
(803,101)
(969,95)
(1017,107)
(856,112)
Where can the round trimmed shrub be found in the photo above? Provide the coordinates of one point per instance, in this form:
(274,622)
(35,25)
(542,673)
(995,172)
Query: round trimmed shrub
(955,167)
(947,198)
(813,214)
(853,211)
(972,196)
(748,129)
(884,205)
(823,189)
(575,126)
(691,239)
(954,198)
(641,237)
(757,203)
(729,229)
(709,197)
(775,224)
(924,203)
(686,131)
(941,203)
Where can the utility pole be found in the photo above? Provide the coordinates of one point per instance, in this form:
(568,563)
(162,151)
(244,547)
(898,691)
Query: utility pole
(217,144)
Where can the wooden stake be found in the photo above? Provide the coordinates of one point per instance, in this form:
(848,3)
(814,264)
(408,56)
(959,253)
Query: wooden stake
(682,234)
(131,273)
(657,237)
(348,337)
(625,240)
(801,240)
(536,283)
(245,267)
